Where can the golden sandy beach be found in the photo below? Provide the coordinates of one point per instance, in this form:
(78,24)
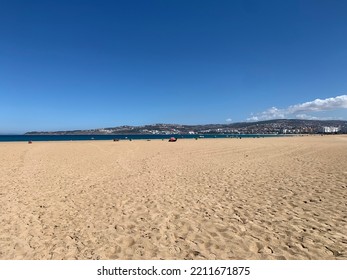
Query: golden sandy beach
(279,198)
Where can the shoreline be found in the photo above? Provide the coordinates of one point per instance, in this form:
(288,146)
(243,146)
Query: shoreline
(47,138)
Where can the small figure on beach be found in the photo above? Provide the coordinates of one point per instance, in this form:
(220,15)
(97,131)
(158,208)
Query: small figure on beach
(172,139)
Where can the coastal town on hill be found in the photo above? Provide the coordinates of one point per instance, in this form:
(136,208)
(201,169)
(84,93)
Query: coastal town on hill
(279,126)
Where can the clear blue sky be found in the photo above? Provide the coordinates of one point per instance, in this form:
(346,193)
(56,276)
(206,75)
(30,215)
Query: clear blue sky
(93,64)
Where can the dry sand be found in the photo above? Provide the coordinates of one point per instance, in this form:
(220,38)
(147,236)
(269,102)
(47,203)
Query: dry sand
(280,198)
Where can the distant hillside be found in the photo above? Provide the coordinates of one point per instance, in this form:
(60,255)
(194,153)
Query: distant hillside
(270,126)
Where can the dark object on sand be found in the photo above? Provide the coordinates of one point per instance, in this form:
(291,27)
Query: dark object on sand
(115,140)
(172,139)
(29,142)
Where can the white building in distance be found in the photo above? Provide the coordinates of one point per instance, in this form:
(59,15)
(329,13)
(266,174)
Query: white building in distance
(329,129)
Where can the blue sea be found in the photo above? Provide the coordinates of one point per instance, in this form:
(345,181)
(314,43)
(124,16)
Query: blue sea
(19,138)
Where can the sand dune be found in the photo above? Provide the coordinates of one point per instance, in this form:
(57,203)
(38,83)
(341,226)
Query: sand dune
(280,198)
